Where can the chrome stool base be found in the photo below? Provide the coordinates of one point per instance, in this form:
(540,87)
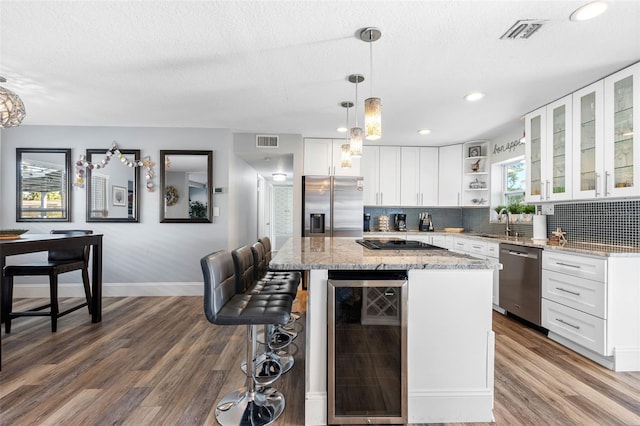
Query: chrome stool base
(282,358)
(241,408)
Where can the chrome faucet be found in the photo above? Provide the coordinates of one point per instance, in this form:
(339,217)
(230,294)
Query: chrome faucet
(507,230)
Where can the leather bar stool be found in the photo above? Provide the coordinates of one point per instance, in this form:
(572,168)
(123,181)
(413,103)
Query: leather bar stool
(266,242)
(58,262)
(276,337)
(249,405)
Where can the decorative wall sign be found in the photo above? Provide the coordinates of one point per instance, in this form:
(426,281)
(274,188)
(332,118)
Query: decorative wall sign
(82,164)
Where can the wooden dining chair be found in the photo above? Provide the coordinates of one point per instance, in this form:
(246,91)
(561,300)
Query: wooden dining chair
(58,262)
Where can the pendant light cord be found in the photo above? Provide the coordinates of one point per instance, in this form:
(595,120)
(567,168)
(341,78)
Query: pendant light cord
(371,63)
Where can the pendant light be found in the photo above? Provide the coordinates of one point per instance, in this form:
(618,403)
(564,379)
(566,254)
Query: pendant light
(11,107)
(372,105)
(356,132)
(345,153)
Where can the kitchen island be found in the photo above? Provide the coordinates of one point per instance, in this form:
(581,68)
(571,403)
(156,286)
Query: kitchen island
(450,343)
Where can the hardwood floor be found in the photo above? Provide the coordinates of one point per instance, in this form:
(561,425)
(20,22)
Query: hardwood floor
(156,360)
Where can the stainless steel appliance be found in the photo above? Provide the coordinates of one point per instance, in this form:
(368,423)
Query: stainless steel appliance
(520,278)
(400,222)
(367,347)
(425,224)
(332,206)
(379,244)
(366,226)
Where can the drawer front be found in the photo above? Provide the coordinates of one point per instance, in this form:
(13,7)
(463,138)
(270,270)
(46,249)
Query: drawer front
(583,329)
(425,239)
(460,245)
(440,241)
(579,266)
(476,247)
(578,293)
(493,250)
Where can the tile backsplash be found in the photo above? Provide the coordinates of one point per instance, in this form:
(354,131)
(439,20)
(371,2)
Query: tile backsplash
(610,222)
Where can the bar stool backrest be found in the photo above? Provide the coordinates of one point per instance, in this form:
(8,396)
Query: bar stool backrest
(219,282)
(259,260)
(76,254)
(244,270)
(266,242)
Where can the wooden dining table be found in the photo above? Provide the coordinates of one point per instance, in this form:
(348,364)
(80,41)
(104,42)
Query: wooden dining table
(32,243)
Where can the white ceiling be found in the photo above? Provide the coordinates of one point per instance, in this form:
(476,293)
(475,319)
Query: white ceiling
(282,66)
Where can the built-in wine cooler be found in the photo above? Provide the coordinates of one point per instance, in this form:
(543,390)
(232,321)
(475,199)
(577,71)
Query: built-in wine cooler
(367,347)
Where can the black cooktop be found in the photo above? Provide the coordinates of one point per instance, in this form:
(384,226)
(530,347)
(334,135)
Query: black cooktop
(396,245)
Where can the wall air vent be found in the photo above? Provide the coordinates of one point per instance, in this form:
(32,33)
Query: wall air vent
(522,29)
(267,141)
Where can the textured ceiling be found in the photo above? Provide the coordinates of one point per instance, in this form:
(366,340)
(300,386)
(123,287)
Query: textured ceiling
(281,66)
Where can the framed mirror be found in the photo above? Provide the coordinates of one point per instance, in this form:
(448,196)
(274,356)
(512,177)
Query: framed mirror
(43,185)
(185,182)
(113,192)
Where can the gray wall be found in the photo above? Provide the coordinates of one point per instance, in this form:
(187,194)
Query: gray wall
(146,252)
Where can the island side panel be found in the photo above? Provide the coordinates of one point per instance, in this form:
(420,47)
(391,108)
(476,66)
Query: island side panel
(316,349)
(450,346)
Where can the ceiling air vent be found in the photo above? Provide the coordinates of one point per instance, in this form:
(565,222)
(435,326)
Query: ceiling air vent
(267,141)
(522,29)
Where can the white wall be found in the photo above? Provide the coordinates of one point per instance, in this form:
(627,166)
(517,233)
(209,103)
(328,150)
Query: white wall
(134,253)
(243,204)
(289,144)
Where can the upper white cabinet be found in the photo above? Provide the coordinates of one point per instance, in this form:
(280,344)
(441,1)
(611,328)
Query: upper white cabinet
(548,151)
(475,168)
(380,168)
(450,175)
(588,146)
(607,153)
(324,157)
(621,148)
(418,176)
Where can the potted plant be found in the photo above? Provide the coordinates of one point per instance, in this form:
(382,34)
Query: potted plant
(528,211)
(515,209)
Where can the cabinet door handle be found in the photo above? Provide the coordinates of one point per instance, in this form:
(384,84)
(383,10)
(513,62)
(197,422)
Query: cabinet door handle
(568,264)
(477,247)
(422,199)
(417,198)
(606,183)
(377,199)
(575,293)
(458,199)
(548,192)
(381,198)
(597,184)
(577,327)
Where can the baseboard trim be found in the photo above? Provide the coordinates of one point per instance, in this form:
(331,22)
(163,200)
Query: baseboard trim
(605,361)
(440,406)
(113,289)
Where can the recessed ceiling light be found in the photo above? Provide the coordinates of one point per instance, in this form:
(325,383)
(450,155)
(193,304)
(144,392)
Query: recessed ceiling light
(424,131)
(474,96)
(342,129)
(589,11)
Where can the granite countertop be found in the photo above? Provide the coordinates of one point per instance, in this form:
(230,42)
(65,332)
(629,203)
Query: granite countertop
(346,254)
(588,248)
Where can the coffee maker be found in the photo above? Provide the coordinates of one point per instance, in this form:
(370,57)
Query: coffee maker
(366,226)
(400,222)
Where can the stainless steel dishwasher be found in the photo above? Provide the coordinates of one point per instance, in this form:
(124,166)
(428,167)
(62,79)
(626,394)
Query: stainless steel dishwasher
(520,281)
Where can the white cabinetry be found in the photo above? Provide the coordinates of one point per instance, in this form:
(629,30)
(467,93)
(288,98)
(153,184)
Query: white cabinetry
(591,305)
(621,119)
(324,157)
(450,175)
(381,172)
(607,152)
(418,176)
(548,151)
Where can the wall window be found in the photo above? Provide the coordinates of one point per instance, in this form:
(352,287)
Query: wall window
(513,175)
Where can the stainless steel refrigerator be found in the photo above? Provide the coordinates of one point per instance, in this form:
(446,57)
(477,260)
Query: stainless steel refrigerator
(332,206)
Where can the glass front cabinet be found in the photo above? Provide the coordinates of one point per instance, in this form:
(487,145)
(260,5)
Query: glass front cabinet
(607,155)
(548,151)
(621,148)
